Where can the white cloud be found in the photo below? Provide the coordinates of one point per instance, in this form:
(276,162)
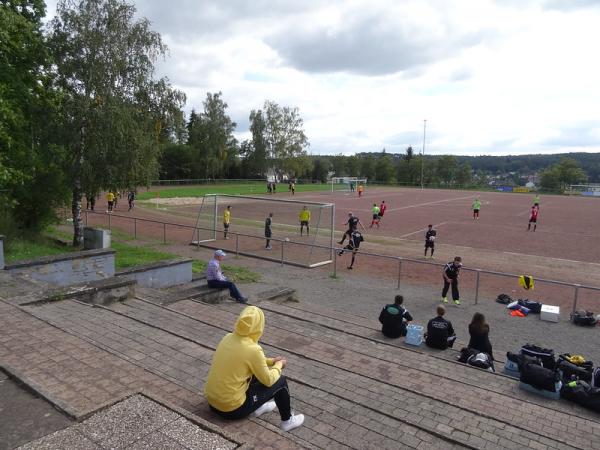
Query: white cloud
(489,76)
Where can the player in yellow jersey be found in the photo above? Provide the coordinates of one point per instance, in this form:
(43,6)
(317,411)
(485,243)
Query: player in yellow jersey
(226,221)
(304,217)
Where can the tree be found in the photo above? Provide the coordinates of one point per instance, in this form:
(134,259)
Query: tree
(257,153)
(319,172)
(384,169)
(464,175)
(284,137)
(113,111)
(338,165)
(30,165)
(367,167)
(210,134)
(408,157)
(561,175)
(446,167)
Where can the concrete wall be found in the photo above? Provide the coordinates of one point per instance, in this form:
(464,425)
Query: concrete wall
(161,274)
(1,252)
(69,268)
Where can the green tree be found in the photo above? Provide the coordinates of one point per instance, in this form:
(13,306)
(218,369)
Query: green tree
(446,169)
(464,175)
(561,175)
(210,134)
(338,165)
(113,111)
(320,170)
(257,152)
(384,169)
(353,166)
(30,165)
(367,167)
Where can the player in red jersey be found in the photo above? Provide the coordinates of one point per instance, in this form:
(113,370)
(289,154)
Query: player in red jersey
(533,218)
(382,209)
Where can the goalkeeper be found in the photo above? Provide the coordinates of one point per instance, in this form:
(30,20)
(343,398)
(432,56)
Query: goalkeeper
(304,217)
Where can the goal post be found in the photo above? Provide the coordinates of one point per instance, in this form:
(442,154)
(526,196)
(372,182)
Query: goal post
(246,233)
(346,184)
(588,190)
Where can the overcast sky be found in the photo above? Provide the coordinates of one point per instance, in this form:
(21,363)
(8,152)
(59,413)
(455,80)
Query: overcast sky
(490,77)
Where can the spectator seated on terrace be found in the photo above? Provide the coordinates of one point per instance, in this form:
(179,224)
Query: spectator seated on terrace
(242,381)
(440,333)
(394,319)
(216,279)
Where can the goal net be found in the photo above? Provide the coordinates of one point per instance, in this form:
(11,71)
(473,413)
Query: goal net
(246,234)
(346,184)
(590,190)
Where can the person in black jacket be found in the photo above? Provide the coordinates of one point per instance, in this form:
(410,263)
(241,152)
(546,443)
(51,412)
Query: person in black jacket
(394,319)
(451,272)
(440,333)
(479,331)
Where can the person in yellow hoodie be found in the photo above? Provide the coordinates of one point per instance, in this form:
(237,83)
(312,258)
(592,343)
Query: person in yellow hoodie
(242,381)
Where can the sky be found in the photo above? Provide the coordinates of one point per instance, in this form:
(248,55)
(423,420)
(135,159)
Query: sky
(488,77)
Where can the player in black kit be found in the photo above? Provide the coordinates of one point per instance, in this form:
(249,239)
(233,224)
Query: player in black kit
(430,240)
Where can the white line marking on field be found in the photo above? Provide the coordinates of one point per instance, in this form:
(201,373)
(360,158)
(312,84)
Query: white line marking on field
(550,257)
(428,203)
(423,229)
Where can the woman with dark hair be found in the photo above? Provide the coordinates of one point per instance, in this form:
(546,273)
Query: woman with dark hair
(479,331)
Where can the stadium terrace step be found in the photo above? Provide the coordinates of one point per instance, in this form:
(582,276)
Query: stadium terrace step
(196,289)
(356,392)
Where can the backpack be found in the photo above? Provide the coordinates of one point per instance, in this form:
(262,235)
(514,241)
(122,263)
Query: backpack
(545,355)
(465,354)
(481,360)
(504,299)
(582,393)
(539,377)
(583,318)
(533,306)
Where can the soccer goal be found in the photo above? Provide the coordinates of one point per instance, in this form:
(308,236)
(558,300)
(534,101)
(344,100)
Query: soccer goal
(246,234)
(346,184)
(589,190)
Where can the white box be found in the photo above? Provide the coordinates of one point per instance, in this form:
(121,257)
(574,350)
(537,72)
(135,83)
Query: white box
(550,313)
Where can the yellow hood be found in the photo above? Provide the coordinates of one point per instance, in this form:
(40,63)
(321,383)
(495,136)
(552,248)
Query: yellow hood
(251,323)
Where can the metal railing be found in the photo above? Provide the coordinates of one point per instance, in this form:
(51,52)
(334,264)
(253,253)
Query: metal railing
(401,261)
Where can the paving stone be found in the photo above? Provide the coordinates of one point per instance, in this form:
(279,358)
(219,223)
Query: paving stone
(69,438)
(195,438)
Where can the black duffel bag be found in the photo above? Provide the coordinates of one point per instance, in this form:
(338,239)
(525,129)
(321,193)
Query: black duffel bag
(582,393)
(533,306)
(504,299)
(583,318)
(571,371)
(481,360)
(545,355)
(539,377)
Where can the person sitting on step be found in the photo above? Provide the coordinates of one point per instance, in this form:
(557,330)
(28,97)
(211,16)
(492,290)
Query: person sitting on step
(242,381)
(440,333)
(394,319)
(216,279)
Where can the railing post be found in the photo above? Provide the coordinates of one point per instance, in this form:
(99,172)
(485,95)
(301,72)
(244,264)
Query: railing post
(575,297)
(198,241)
(399,271)
(282,245)
(237,245)
(134,228)
(164,233)
(477,287)
(335,254)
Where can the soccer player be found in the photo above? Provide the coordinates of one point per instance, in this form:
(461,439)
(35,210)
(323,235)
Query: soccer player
(353,244)
(293,187)
(226,221)
(360,190)
(375,220)
(476,206)
(353,222)
(268,230)
(536,201)
(533,218)
(382,209)
(131,200)
(430,239)
(110,199)
(451,273)
(304,217)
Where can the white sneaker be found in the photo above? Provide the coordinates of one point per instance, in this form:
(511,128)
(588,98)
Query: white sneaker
(269,248)
(293,422)
(265,408)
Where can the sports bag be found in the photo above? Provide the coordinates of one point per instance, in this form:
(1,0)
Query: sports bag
(571,372)
(504,299)
(533,306)
(521,360)
(481,360)
(582,393)
(596,377)
(465,354)
(545,355)
(583,318)
(539,377)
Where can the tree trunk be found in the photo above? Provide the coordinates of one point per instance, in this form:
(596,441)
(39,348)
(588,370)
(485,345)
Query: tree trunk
(76,212)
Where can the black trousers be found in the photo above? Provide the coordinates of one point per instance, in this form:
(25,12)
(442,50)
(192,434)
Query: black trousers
(454,284)
(257,395)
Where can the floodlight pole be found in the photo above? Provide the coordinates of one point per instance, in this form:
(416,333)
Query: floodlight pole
(423,151)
